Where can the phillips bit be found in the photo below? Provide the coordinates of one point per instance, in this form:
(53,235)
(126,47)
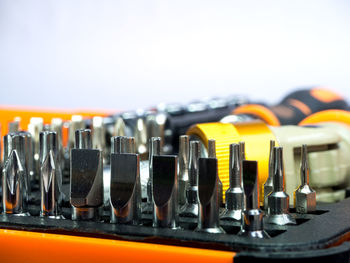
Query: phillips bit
(21,141)
(13,126)
(212,154)
(86,178)
(234,194)
(278,199)
(183,168)
(208,196)
(164,189)
(268,186)
(140,133)
(154,150)
(125,192)
(252,217)
(191,206)
(14,197)
(304,196)
(50,175)
(36,126)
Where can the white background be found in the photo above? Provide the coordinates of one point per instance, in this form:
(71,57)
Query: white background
(131,54)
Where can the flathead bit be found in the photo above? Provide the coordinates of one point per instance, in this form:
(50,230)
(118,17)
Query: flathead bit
(140,133)
(14,194)
(234,194)
(278,199)
(212,154)
(252,218)
(154,150)
(191,206)
(268,186)
(208,195)
(125,192)
(183,167)
(86,178)
(119,127)
(50,186)
(36,126)
(13,126)
(165,212)
(304,196)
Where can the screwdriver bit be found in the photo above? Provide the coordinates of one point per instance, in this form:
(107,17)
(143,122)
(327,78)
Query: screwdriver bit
(183,167)
(154,149)
(50,175)
(13,126)
(76,123)
(119,127)
(304,196)
(36,126)
(21,141)
(125,192)
(164,190)
(252,217)
(235,193)
(86,178)
(57,126)
(208,195)
(278,199)
(140,133)
(191,206)
(99,136)
(14,194)
(242,149)
(212,154)
(268,186)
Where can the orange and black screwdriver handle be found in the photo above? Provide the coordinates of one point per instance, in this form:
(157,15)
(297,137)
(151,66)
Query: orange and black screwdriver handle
(295,107)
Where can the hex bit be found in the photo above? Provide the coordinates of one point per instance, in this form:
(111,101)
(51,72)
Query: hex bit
(234,194)
(208,195)
(191,206)
(304,196)
(164,190)
(50,175)
(278,199)
(125,185)
(86,178)
(252,218)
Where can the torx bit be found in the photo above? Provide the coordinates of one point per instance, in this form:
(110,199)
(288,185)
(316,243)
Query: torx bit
(50,175)
(164,190)
(140,133)
(14,194)
(184,153)
(268,186)
(208,195)
(154,150)
(191,206)
(278,199)
(252,217)
(36,126)
(304,196)
(86,178)
(234,194)
(212,154)
(125,192)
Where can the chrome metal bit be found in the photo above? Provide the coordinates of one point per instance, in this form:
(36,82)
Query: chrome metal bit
(242,149)
(119,127)
(155,123)
(154,150)
(208,195)
(304,196)
(57,126)
(99,136)
(14,126)
(50,175)
(125,192)
(234,194)
(140,133)
(165,211)
(76,123)
(278,199)
(14,193)
(212,154)
(268,186)
(86,178)
(252,217)
(36,126)
(184,154)
(191,206)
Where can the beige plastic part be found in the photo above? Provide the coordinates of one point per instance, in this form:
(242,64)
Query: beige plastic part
(328,166)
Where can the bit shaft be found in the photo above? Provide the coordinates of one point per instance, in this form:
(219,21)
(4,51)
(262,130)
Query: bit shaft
(268,186)
(183,167)
(212,154)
